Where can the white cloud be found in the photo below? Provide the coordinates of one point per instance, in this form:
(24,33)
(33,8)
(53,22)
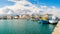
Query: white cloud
(16,0)
(20,6)
(27,6)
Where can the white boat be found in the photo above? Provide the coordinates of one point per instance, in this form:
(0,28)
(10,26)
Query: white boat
(53,19)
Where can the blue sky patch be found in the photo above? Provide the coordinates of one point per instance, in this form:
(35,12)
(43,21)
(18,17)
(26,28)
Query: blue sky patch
(36,2)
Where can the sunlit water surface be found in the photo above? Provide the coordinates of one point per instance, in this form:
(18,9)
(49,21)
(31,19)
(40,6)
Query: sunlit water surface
(22,26)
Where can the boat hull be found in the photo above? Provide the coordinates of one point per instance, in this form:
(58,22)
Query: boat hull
(44,21)
(53,21)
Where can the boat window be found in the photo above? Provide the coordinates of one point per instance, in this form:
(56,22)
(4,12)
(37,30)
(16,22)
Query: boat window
(56,18)
(50,18)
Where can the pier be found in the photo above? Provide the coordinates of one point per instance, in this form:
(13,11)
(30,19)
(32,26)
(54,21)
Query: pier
(57,29)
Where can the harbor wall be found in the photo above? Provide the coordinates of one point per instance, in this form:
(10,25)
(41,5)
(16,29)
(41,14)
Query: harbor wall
(57,29)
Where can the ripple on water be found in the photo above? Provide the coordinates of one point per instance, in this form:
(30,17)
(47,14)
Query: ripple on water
(18,26)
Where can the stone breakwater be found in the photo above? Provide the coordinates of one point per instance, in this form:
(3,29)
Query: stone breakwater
(57,29)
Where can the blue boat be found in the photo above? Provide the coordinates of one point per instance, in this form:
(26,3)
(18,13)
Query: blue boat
(44,21)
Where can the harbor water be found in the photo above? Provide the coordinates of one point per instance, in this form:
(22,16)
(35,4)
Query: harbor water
(23,26)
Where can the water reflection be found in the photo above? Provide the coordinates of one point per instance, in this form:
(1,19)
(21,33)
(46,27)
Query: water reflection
(18,26)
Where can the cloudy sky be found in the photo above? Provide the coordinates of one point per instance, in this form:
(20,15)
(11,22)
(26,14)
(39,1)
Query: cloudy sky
(4,3)
(46,2)
(36,2)
(36,6)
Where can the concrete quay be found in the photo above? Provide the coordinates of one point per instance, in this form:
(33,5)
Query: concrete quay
(57,29)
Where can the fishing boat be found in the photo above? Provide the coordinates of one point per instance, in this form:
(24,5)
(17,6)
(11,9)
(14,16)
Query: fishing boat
(44,19)
(53,19)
